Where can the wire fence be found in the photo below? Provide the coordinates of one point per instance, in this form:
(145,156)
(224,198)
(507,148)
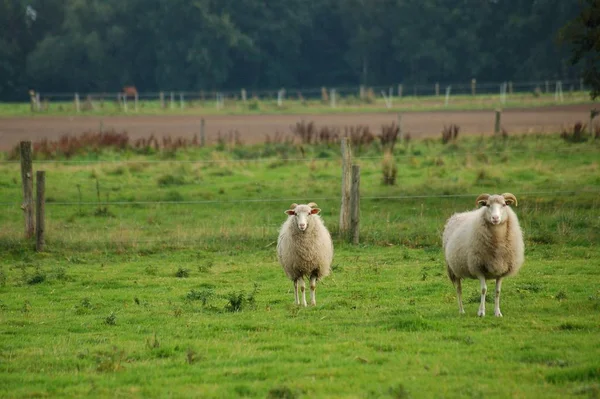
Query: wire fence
(335,97)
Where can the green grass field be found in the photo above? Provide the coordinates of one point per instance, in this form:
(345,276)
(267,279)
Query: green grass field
(160,277)
(291,105)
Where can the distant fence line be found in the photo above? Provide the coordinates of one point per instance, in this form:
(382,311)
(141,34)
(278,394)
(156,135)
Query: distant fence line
(334,96)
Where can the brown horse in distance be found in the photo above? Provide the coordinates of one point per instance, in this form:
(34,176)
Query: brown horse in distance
(129,91)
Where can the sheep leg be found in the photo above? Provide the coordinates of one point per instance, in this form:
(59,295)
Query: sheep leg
(458,284)
(303,289)
(497,299)
(313,290)
(481,311)
(296,299)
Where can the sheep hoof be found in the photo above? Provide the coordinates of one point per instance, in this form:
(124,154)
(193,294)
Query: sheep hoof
(498,314)
(481,313)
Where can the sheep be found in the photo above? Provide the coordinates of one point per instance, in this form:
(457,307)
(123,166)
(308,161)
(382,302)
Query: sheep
(486,243)
(304,248)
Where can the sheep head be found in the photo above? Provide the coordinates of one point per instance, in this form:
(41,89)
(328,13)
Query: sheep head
(302,214)
(495,212)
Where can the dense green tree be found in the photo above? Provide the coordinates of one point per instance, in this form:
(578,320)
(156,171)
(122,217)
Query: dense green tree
(102,45)
(583,35)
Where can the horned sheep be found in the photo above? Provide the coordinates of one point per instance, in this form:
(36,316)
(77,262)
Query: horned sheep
(486,243)
(304,249)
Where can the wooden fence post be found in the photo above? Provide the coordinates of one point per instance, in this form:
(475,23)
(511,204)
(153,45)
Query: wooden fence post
(497,122)
(27,179)
(355,205)
(399,127)
(202,134)
(77,106)
(473,86)
(40,210)
(437,89)
(135,101)
(162,99)
(346,183)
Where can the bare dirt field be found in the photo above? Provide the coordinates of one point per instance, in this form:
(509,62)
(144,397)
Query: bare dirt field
(255,128)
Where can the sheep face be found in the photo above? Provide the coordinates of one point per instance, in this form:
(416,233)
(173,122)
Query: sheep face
(302,214)
(495,212)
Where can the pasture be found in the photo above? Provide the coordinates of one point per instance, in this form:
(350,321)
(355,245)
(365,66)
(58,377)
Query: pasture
(160,278)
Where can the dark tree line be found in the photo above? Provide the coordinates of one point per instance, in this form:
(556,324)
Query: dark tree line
(102,45)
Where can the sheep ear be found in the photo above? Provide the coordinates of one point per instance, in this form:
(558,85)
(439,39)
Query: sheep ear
(314,211)
(290,212)
(293,206)
(510,199)
(482,199)
(312,204)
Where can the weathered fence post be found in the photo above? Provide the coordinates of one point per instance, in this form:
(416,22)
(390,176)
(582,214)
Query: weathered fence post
(202,134)
(355,205)
(399,127)
(346,183)
(136,99)
(400,89)
(40,210)
(162,99)
(473,86)
(27,179)
(77,106)
(332,98)
(244,96)
(593,113)
(447,99)
(497,122)
(437,89)
(124,97)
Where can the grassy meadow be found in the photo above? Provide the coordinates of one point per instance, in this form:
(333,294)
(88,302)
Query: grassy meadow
(160,277)
(292,104)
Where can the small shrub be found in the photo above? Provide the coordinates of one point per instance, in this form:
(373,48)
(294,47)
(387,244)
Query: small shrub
(203,295)
(560,296)
(282,392)
(170,180)
(111,319)
(38,278)
(182,273)
(305,131)
(237,301)
(576,134)
(206,266)
(450,133)
(389,169)
(389,136)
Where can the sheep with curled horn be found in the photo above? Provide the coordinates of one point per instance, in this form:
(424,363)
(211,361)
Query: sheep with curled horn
(486,243)
(304,249)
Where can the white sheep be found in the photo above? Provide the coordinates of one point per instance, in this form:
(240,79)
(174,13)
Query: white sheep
(304,248)
(486,243)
